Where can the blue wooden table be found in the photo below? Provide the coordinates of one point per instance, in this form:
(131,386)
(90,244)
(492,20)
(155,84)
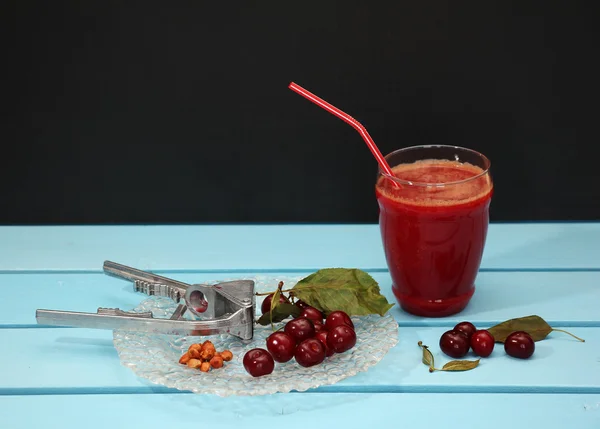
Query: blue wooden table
(72,378)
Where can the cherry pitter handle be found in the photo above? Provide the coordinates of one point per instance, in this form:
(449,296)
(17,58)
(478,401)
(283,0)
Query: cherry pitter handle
(222,308)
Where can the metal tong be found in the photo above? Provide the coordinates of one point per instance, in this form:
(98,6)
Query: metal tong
(226,307)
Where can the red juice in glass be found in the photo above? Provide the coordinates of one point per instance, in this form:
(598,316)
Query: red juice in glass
(434,219)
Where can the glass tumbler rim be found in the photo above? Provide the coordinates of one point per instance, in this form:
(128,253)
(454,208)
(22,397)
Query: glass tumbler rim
(485,160)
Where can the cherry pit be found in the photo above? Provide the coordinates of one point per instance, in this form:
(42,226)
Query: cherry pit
(308,339)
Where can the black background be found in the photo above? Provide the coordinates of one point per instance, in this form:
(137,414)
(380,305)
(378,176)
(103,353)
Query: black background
(179,112)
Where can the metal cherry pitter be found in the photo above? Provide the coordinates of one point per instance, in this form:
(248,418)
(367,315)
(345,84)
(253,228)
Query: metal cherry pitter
(222,308)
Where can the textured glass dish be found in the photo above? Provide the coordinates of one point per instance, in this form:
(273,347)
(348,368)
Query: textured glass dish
(156,357)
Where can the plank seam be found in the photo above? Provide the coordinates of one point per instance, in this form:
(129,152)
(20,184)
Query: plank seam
(367,389)
(291,270)
(426,323)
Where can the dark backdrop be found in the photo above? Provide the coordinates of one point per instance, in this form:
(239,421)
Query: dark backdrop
(179,111)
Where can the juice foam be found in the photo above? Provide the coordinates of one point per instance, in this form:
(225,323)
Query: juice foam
(437,183)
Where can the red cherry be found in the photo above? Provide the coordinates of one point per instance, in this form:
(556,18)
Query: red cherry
(310,352)
(302,304)
(258,362)
(341,338)
(466,328)
(319,326)
(265,307)
(300,329)
(336,318)
(454,343)
(520,345)
(322,336)
(313,314)
(482,343)
(281,346)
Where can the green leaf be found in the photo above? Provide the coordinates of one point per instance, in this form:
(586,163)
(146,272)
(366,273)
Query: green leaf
(427,357)
(350,290)
(460,365)
(534,325)
(279,313)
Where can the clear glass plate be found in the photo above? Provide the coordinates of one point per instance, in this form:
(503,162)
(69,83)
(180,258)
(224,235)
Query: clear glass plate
(156,357)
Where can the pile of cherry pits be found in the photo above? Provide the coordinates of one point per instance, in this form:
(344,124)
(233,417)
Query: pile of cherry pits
(308,338)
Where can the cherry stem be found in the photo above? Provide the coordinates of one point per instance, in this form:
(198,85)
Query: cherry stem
(268,293)
(568,333)
(280,287)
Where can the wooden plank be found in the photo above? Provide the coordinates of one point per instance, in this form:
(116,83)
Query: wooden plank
(85,361)
(566,298)
(274,247)
(228,247)
(417,411)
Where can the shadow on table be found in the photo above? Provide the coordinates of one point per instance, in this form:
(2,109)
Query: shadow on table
(278,404)
(565,247)
(555,296)
(493,294)
(83,345)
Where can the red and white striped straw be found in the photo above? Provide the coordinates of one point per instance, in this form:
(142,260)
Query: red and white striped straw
(350,120)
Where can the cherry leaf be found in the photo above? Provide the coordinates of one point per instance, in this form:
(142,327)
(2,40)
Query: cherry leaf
(427,357)
(460,365)
(350,290)
(279,313)
(534,325)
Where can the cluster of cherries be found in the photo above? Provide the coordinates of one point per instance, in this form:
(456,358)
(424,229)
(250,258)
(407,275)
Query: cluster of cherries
(457,342)
(308,338)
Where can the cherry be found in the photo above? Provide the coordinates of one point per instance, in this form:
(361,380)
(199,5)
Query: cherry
(281,346)
(302,304)
(300,329)
(454,343)
(265,307)
(519,344)
(482,343)
(312,313)
(319,326)
(310,352)
(341,338)
(322,336)
(467,328)
(258,362)
(336,318)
